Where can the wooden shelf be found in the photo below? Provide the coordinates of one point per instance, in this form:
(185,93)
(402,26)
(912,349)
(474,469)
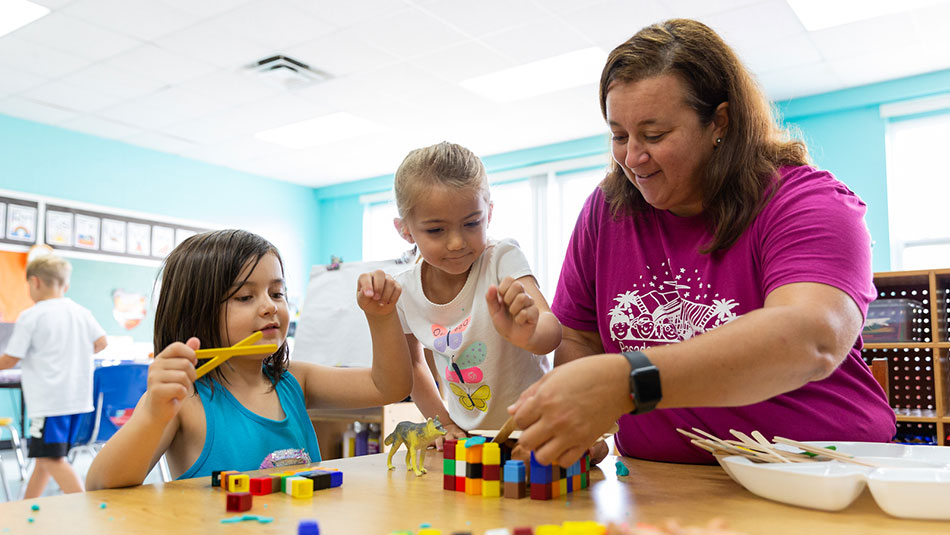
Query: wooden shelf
(932,289)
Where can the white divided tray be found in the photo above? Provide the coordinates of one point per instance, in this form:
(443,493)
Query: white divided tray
(915,482)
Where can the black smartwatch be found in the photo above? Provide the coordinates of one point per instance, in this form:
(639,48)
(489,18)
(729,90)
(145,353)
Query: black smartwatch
(645,388)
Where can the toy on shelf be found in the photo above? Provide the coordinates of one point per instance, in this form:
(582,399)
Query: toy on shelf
(475,467)
(416,437)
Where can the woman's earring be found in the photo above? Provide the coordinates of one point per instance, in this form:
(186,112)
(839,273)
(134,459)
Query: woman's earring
(718,141)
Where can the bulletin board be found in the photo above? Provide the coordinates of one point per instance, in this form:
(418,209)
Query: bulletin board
(94,231)
(14,293)
(332,328)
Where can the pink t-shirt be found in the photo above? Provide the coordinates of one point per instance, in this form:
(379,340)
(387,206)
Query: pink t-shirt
(640,282)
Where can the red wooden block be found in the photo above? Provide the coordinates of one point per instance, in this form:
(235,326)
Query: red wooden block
(261,486)
(540,491)
(239,501)
(448,482)
(460,483)
(491,472)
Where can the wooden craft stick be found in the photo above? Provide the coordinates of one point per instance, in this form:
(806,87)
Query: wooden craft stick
(228,352)
(765,448)
(837,455)
(222,356)
(505,430)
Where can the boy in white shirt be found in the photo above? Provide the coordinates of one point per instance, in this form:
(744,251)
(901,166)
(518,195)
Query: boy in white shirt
(54,340)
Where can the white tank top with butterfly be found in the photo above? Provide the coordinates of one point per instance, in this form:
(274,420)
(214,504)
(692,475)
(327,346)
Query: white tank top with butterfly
(480,373)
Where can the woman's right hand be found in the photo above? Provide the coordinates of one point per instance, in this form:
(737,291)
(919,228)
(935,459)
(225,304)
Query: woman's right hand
(171,378)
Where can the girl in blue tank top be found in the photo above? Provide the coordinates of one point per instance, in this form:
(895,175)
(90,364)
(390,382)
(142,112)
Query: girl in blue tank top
(218,288)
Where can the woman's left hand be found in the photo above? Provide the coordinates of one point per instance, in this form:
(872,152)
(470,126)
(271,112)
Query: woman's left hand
(569,408)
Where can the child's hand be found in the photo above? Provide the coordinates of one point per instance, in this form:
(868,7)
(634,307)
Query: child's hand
(513,311)
(170,379)
(452,431)
(377,293)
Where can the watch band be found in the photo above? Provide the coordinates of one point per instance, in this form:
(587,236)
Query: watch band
(645,390)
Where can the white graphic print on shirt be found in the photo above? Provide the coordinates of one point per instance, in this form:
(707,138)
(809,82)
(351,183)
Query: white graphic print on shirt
(658,309)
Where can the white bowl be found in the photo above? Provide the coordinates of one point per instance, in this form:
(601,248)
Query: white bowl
(912,492)
(828,486)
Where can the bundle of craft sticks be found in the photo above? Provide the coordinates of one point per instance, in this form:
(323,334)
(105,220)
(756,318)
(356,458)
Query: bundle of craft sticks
(759,449)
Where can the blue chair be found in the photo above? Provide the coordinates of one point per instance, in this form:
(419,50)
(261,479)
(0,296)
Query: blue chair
(116,390)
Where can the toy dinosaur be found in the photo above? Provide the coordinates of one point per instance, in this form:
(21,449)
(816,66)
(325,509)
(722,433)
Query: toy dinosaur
(416,437)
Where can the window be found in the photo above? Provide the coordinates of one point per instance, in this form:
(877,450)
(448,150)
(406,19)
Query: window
(918,189)
(536,206)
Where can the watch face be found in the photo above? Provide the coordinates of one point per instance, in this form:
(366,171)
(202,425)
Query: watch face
(647,386)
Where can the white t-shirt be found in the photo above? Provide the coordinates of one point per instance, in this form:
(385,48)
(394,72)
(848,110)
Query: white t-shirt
(54,340)
(493,371)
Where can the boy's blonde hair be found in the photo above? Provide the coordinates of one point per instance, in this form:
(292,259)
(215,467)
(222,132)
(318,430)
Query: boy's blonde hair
(50,269)
(445,164)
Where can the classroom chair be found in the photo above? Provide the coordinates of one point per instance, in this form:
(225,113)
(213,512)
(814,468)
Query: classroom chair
(116,390)
(7,423)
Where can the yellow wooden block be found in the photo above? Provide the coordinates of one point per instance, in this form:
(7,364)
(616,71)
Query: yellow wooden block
(562,484)
(491,453)
(491,489)
(300,487)
(239,483)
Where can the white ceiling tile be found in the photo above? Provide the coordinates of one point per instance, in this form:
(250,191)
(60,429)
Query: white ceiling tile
(250,118)
(780,54)
(931,26)
(35,111)
(539,39)
(895,62)
(110,81)
(76,37)
(98,126)
(156,63)
(232,87)
(347,13)
(799,81)
(142,19)
(205,8)
(159,142)
(215,43)
(865,36)
(70,96)
(625,19)
(37,59)
(484,16)
(699,8)
(743,28)
(340,54)
(134,113)
(14,80)
(52,4)
(201,131)
(462,61)
(408,33)
(181,102)
(274,24)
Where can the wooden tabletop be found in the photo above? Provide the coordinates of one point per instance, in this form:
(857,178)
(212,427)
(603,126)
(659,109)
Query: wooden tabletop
(374,501)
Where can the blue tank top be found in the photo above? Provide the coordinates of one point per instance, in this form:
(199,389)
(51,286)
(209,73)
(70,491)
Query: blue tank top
(238,439)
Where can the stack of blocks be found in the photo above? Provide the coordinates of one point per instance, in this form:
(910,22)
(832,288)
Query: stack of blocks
(299,484)
(474,467)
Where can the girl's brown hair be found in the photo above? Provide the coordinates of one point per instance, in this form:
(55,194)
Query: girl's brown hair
(743,167)
(445,164)
(197,279)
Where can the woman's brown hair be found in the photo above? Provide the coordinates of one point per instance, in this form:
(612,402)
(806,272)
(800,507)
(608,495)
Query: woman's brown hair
(197,279)
(743,167)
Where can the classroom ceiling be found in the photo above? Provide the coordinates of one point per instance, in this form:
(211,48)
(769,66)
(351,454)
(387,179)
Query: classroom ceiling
(171,75)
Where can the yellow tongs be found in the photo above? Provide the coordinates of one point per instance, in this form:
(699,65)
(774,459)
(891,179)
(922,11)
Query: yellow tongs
(221,354)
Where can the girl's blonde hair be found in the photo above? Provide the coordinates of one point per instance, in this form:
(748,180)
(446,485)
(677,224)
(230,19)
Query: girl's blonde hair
(50,269)
(444,164)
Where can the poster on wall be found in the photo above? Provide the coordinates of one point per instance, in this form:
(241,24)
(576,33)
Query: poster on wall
(182,234)
(87,232)
(113,235)
(21,223)
(59,228)
(138,242)
(163,240)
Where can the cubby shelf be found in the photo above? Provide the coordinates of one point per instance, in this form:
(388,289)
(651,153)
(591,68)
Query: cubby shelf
(918,370)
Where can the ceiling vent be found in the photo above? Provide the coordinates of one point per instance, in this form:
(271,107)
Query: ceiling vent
(288,72)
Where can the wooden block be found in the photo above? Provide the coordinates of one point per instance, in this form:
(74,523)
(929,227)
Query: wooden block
(491,489)
(239,483)
(491,472)
(261,486)
(239,501)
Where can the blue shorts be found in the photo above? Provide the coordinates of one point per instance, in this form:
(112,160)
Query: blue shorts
(49,435)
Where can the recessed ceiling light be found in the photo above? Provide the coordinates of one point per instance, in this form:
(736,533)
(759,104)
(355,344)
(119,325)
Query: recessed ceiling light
(548,75)
(15,14)
(821,14)
(319,131)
